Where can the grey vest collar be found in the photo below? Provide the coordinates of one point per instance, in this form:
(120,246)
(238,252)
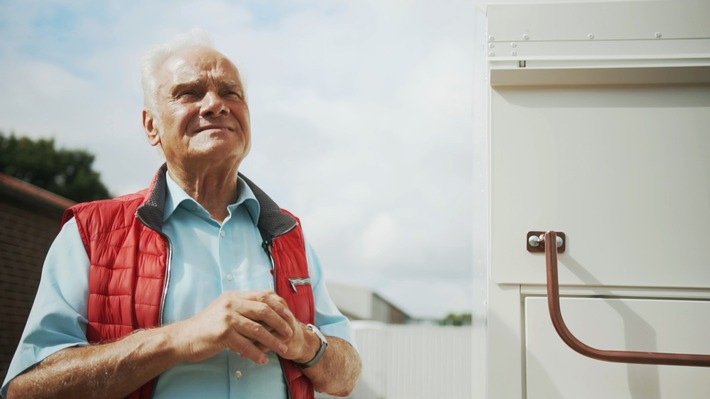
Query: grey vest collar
(272,221)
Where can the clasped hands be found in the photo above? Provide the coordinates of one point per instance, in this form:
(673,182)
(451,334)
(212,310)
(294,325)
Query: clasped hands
(249,323)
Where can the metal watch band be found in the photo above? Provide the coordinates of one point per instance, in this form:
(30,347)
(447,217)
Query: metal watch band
(321,350)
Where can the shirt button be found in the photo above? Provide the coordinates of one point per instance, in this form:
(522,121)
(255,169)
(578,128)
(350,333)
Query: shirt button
(222,233)
(229,277)
(238,374)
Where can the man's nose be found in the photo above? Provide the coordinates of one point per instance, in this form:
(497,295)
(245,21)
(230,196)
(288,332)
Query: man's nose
(213,105)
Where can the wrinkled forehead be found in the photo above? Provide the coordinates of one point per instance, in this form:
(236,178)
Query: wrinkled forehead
(195,64)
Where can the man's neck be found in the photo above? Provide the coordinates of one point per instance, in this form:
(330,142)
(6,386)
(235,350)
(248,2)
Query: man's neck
(213,189)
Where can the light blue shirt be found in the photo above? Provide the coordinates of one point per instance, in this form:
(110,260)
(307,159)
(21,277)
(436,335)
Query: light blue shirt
(208,259)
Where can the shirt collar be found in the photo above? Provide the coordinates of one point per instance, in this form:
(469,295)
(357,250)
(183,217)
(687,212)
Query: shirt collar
(177,197)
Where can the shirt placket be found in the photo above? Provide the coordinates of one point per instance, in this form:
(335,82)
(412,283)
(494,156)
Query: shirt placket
(237,367)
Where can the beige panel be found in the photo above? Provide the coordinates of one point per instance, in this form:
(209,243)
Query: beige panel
(624,171)
(555,371)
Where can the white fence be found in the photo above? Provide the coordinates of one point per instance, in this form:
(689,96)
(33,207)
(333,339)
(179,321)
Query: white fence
(412,361)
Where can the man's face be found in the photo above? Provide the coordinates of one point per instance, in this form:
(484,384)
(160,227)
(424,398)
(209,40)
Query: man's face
(201,112)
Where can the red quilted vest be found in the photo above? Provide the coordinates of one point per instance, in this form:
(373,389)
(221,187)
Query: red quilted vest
(129,270)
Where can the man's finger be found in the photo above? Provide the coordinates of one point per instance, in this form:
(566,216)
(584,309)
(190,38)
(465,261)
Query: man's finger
(272,312)
(246,348)
(261,336)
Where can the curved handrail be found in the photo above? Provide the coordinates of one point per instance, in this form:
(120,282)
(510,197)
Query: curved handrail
(553,301)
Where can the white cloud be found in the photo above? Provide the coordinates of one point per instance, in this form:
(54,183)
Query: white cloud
(378,238)
(29,88)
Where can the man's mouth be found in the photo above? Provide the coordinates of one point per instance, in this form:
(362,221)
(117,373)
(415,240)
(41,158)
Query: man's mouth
(213,127)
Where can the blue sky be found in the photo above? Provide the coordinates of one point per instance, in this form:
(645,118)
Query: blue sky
(362,118)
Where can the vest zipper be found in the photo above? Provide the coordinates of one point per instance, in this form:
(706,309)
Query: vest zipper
(267,248)
(168,265)
(267,245)
(164,294)
(296,281)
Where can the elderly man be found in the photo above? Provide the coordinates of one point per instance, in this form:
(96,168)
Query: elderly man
(198,286)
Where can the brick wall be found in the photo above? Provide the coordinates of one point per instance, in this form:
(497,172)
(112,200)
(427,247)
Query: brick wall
(28,225)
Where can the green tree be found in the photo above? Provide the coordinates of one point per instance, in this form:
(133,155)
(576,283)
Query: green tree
(64,172)
(457,319)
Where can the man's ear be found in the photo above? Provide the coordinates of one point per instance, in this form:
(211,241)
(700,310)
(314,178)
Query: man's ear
(149,125)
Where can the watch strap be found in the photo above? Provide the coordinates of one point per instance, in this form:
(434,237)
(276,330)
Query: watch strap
(321,349)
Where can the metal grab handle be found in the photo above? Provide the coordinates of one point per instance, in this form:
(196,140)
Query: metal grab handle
(553,301)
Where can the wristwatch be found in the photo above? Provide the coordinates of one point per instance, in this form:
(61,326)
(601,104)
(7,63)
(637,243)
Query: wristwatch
(321,350)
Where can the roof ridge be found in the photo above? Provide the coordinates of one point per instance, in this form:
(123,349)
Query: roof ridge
(13,185)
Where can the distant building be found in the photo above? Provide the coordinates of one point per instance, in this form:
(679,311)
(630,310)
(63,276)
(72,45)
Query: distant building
(29,220)
(359,303)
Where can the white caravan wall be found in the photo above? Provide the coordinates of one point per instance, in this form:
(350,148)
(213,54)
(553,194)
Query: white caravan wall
(597,124)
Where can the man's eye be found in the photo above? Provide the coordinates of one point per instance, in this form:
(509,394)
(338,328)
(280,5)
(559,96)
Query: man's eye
(236,94)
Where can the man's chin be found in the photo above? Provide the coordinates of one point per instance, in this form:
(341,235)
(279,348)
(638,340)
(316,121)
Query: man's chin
(216,152)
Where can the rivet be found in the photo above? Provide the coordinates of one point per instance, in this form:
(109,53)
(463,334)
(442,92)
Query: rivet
(491,53)
(491,38)
(526,37)
(658,35)
(491,45)
(513,53)
(513,44)
(590,36)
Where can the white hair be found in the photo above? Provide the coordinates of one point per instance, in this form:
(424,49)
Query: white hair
(155,58)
